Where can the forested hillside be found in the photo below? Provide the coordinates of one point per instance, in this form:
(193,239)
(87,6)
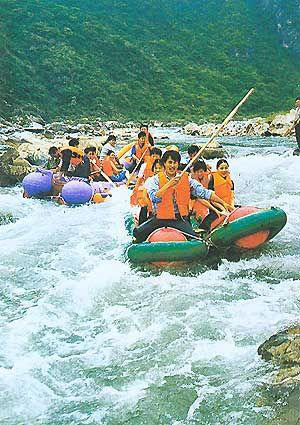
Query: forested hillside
(147,59)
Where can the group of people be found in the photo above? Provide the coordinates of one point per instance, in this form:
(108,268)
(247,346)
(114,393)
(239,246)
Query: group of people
(167,196)
(91,165)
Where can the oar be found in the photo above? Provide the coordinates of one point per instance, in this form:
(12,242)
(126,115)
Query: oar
(289,130)
(104,175)
(131,175)
(224,123)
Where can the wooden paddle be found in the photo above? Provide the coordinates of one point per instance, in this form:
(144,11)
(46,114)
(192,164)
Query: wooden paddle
(104,175)
(224,123)
(289,130)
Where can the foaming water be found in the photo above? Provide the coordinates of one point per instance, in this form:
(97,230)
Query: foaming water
(86,338)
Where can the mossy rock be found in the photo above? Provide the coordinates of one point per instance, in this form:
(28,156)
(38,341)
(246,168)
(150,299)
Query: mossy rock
(282,348)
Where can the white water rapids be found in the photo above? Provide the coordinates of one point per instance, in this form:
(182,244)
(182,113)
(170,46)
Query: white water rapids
(86,338)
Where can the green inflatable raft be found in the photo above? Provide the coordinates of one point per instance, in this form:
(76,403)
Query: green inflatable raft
(245,228)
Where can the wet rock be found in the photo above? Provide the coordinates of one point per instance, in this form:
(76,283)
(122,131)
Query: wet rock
(12,171)
(283,350)
(6,218)
(214,150)
(296,152)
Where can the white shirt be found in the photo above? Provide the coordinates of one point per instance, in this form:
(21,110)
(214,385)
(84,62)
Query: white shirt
(107,147)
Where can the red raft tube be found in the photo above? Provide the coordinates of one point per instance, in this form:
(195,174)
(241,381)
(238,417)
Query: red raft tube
(247,227)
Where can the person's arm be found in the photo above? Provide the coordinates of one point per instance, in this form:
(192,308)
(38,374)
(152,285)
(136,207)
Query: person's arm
(152,187)
(198,191)
(171,183)
(215,198)
(220,210)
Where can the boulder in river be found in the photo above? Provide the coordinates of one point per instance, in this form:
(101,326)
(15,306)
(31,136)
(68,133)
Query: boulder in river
(214,150)
(13,171)
(283,349)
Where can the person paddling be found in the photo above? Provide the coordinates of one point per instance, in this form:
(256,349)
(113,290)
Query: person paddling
(297,124)
(170,195)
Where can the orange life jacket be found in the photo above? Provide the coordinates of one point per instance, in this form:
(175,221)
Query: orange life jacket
(139,152)
(200,210)
(106,167)
(140,197)
(165,208)
(75,161)
(148,170)
(223,186)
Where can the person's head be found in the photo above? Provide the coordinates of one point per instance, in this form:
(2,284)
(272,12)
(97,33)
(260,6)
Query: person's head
(155,153)
(144,128)
(199,168)
(141,138)
(171,161)
(76,158)
(193,150)
(74,142)
(223,167)
(90,152)
(111,140)
(297,102)
(111,154)
(54,152)
(157,166)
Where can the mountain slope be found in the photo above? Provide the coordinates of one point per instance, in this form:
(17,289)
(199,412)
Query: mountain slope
(151,59)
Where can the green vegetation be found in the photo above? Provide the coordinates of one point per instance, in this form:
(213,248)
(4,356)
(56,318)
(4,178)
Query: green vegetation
(149,59)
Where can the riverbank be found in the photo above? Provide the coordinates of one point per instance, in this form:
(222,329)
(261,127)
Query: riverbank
(27,142)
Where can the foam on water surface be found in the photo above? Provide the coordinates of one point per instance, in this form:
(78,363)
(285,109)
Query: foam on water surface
(87,339)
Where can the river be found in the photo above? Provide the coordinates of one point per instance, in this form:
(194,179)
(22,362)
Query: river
(87,338)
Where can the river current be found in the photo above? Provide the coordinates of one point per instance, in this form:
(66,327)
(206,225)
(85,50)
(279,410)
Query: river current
(87,338)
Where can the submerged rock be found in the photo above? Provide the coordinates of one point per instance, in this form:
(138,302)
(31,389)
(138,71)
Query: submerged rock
(6,218)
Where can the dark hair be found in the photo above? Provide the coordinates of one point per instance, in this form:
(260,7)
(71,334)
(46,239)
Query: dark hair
(297,98)
(74,142)
(52,151)
(175,156)
(141,134)
(109,152)
(221,162)
(193,149)
(110,137)
(144,125)
(155,151)
(89,149)
(157,161)
(199,165)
